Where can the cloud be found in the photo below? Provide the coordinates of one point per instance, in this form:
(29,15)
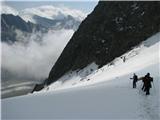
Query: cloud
(46,11)
(53,12)
(7,9)
(33,56)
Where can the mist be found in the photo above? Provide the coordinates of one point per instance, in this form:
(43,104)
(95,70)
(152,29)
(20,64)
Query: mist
(32,56)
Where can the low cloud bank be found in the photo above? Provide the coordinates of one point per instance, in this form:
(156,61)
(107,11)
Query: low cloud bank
(32,56)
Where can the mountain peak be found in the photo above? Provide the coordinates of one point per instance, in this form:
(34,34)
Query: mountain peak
(49,16)
(51,12)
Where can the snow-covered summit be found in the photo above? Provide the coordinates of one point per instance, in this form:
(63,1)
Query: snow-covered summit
(53,17)
(49,16)
(51,12)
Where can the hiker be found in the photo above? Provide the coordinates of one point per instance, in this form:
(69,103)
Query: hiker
(147,83)
(135,78)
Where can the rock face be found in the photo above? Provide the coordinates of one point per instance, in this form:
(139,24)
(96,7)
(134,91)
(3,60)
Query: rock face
(110,30)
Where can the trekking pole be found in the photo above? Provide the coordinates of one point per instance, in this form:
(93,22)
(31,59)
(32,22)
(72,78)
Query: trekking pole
(154,87)
(140,90)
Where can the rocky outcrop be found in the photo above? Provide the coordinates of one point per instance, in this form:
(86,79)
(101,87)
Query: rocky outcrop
(37,87)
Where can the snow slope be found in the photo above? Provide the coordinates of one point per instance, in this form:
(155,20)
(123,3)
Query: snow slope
(107,93)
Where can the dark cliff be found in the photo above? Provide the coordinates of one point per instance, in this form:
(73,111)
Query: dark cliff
(110,30)
(10,23)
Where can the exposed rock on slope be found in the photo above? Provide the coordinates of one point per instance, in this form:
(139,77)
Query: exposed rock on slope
(109,31)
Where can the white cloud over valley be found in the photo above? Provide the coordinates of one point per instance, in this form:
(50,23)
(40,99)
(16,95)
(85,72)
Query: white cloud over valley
(34,55)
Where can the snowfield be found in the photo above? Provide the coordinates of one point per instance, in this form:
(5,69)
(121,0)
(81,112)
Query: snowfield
(93,93)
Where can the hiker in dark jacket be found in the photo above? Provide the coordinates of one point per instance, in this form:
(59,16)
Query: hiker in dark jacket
(147,83)
(135,78)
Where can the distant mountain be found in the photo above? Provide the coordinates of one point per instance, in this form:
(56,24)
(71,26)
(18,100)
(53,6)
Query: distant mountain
(109,31)
(49,17)
(10,23)
(67,23)
(53,17)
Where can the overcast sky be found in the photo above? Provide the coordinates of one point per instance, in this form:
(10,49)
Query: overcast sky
(84,5)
